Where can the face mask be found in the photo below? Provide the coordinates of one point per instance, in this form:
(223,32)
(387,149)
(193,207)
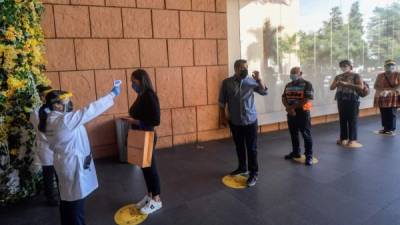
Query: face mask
(68,107)
(389,68)
(243,73)
(136,88)
(345,69)
(293,77)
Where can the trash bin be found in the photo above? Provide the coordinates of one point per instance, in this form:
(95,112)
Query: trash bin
(122,126)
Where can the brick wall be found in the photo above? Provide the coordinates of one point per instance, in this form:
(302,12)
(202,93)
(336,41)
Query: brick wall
(181,43)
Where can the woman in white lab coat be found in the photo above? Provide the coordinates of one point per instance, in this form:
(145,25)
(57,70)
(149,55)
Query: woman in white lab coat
(44,153)
(68,139)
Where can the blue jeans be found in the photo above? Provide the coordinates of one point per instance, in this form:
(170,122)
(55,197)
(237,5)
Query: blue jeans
(301,122)
(72,212)
(150,174)
(50,182)
(348,118)
(245,138)
(388,116)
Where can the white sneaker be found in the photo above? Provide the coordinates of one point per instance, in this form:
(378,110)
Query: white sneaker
(354,144)
(143,202)
(151,207)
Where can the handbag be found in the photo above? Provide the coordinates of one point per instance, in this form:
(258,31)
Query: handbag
(140,146)
(365,91)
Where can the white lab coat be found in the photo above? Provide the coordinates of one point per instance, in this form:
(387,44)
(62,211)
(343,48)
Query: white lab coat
(41,146)
(68,138)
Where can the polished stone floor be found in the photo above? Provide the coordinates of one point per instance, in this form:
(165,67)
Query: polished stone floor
(347,187)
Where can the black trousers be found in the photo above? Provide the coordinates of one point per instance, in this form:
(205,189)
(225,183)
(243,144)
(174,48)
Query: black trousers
(50,182)
(301,122)
(245,137)
(72,213)
(388,116)
(151,175)
(348,118)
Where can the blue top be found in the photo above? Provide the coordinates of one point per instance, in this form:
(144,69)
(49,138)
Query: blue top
(239,95)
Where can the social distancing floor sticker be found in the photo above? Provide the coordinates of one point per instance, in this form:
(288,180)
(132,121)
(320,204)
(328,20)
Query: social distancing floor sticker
(235,182)
(129,215)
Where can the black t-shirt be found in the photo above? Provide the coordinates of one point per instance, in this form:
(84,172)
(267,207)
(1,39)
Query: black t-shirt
(146,109)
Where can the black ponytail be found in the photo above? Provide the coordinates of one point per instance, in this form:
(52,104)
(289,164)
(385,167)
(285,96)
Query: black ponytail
(42,88)
(42,118)
(52,98)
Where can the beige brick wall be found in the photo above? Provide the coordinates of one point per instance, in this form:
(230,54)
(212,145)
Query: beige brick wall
(182,44)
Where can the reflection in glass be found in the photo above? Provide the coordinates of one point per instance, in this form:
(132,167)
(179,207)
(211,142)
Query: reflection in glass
(276,35)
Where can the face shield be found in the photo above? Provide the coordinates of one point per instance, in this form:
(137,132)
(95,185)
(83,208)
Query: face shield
(68,106)
(66,102)
(390,68)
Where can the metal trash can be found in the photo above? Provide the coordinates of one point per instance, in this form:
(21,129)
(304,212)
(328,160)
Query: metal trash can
(122,126)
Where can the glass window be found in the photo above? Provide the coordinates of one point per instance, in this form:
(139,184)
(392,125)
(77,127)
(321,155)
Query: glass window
(275,35)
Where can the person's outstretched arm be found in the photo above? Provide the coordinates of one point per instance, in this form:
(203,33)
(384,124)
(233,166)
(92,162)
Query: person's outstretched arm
(80,117)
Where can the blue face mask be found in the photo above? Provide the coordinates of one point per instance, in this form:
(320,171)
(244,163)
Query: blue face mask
(390,68)
(136,88)
(293,77)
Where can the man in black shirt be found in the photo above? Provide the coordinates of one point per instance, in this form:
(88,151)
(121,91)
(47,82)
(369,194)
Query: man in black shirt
(297,98)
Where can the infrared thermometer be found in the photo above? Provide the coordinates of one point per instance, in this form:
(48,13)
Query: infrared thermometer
(117,83)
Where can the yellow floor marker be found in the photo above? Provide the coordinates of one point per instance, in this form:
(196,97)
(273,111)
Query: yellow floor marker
(235,182)
(129,215)
(302,160)
(348,147)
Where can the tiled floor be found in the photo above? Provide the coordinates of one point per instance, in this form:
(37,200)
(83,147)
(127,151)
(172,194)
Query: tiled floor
(347,187)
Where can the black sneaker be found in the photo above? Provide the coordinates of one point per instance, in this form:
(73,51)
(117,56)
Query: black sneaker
(292,156)
(238,172)
(382,131)
(309,161)
(252,180)
(390,133)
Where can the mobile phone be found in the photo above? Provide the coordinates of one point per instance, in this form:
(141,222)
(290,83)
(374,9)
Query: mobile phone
(86,163)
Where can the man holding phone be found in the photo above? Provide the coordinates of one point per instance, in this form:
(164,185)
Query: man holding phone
(237,92)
